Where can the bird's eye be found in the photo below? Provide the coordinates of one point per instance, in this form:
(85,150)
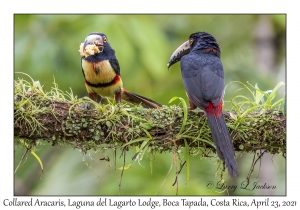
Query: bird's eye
(104,40)
(191,41)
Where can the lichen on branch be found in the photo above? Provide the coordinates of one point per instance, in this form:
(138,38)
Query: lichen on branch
(62,119)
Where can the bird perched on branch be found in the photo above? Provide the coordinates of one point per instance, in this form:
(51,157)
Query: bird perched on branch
(203,77)
(101,71)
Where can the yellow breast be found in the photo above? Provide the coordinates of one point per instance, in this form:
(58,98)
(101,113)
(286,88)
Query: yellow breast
(100,72)
(109,91)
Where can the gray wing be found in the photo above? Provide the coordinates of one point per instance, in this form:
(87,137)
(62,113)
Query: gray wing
(203,79)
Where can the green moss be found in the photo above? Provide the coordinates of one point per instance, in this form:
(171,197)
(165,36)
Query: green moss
(61,118)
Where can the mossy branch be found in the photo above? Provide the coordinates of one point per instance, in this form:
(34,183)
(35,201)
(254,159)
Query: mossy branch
(53,118)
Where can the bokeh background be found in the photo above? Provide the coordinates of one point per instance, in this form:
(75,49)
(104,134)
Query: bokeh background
(253,48)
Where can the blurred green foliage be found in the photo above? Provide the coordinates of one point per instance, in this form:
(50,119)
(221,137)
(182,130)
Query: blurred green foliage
(46,47)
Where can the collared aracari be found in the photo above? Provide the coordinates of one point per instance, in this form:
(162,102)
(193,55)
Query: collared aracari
(203,77)
(101,71)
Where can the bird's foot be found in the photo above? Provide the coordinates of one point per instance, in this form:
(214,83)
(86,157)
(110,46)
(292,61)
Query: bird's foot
(230,115)
(87,106)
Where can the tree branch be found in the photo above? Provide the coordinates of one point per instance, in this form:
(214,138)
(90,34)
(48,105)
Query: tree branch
(39,116)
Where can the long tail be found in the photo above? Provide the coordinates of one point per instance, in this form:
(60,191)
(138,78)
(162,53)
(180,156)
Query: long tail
(134,98)
(223,142)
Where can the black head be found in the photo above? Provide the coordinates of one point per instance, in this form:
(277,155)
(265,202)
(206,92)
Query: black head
(203,40)
(197,41)
(100,40)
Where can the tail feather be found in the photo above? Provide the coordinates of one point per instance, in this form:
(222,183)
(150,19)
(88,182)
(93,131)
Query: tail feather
(223,142)
(134,98)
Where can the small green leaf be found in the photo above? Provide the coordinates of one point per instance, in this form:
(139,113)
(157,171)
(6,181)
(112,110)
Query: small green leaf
(146,126)
(34,154)
(273,93)
(184,107)
(108,123)
(126,167)
(136,140)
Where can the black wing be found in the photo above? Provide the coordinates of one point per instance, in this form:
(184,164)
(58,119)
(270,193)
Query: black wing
(203,78)
(115,64)
(81,66)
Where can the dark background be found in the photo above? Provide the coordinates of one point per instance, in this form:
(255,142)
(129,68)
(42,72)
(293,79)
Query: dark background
(253,48)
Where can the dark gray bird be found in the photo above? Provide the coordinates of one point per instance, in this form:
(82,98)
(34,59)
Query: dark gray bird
(203,77)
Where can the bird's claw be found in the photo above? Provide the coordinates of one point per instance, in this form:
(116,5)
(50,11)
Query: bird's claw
(87,106)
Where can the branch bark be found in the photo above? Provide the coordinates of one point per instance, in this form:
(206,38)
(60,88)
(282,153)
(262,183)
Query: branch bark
(39,117)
